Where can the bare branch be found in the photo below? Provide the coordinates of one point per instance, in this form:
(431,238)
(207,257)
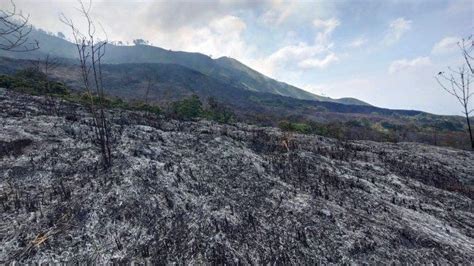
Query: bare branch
(91,51)
(457,82)
(14,31)
(466,46)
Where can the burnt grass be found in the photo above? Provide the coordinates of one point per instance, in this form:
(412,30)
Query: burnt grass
(199,192)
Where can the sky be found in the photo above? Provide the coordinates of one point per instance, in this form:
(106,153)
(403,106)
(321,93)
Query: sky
(386,53)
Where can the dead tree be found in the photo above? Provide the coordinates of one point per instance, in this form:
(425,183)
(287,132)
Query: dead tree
(457,82)
(46,66)
(149,85)
(14,31)
(91,50)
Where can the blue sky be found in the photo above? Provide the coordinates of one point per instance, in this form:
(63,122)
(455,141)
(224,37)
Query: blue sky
(384,52)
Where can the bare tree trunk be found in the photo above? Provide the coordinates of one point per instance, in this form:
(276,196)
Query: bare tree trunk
(148,87)
(90,52)
(49,64)
(469,129)
(458,82)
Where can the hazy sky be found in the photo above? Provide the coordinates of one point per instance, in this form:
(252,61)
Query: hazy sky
(383,52)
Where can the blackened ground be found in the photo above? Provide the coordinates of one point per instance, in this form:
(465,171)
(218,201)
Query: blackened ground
(201,192)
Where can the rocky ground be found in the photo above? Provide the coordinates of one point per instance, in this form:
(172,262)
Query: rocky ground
(200,192)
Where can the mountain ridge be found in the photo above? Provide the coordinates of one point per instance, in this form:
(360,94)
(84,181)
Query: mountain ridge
(231,71)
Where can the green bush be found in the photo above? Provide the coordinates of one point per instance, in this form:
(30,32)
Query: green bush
(10,82)
(358,123)
(391,126)
(188,108)
(114,102)
(33,82)
(117,103)
(295,127)
(334,130)
(218,112)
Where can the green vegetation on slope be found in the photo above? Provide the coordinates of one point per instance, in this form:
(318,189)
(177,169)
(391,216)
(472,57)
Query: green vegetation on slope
(34,82)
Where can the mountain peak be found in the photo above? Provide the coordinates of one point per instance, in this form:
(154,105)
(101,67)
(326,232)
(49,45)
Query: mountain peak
(226,69)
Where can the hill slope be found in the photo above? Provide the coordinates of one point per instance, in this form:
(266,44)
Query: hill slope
(204,193)
(172,82)
(228,71)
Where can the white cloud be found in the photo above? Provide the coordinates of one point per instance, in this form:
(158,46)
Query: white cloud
(292,54)
(221,37)
(230,24)
(326,25)
(326,28)
(278,14)
(405,64)
(318,63)
(457,7)
(306,56)
(446,45)
(397,28)
(358,42)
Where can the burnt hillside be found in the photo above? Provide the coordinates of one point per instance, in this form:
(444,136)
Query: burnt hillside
(202,192)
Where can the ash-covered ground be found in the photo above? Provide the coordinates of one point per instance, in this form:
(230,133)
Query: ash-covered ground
(206,193)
